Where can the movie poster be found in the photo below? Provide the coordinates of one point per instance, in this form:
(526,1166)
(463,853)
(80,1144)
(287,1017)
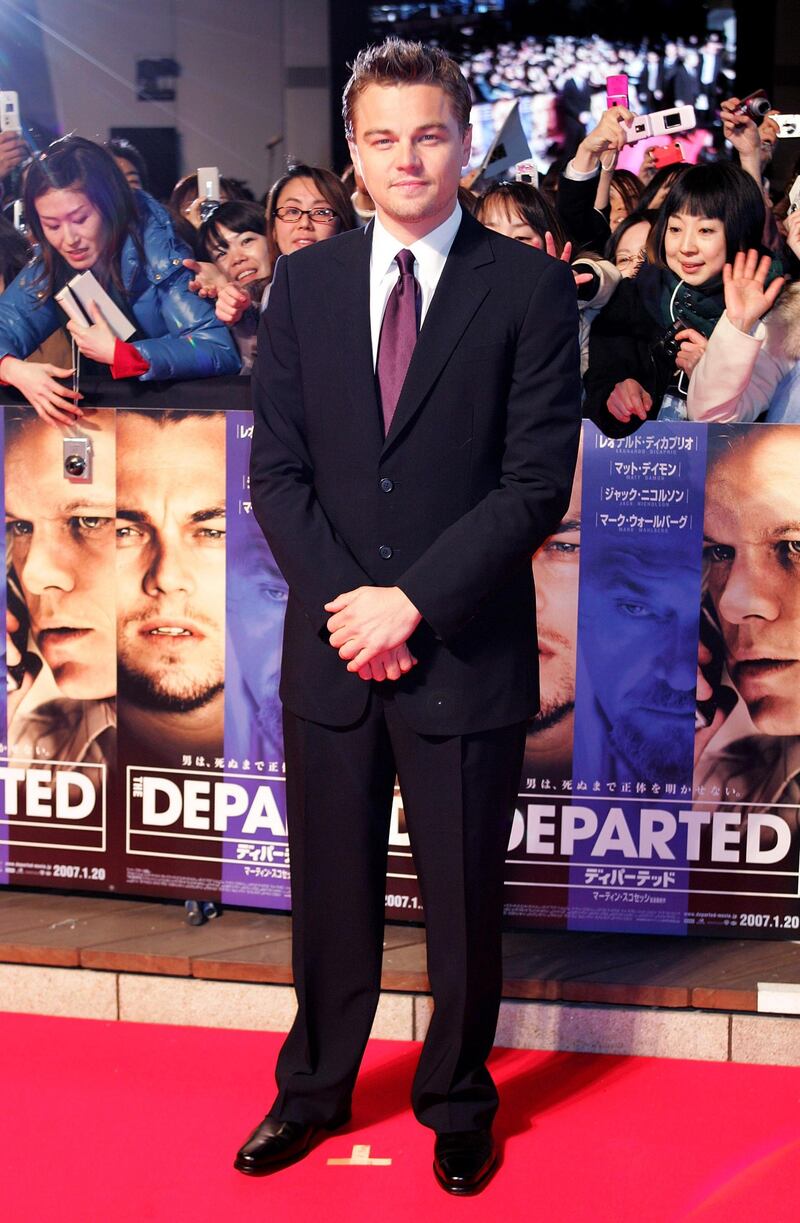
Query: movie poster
(253,819)
(142,748)
(61,655)
(660,786)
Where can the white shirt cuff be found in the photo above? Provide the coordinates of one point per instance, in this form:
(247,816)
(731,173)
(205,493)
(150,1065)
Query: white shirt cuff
(579,176)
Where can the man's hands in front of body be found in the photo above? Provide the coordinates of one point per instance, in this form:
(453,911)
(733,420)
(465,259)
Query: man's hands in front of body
(369,628)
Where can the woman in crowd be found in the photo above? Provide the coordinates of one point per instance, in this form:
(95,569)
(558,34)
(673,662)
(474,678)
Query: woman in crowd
(646,342)
(627,246)
(660,185)
(233,239)
(83,216)
(623,199)
(520,211)
(306,205)
(752,368)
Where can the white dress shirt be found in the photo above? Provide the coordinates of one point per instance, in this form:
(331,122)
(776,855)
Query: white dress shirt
(430,255)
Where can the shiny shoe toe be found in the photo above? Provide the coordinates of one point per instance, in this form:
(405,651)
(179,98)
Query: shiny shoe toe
(273,1144)
(464,1161)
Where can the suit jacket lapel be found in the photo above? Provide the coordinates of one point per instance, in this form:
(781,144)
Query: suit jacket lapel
(348,302)
(458,295)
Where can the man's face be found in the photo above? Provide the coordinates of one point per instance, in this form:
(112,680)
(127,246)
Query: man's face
(555,572)
(60,544)
(752,567)
(171,560)
(410,152)
(639,613)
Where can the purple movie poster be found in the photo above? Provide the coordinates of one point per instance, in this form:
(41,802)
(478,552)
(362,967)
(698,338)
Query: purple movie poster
(636,679)
(251,803)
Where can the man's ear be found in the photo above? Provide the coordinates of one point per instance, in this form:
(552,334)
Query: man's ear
(466,146)
(354,157)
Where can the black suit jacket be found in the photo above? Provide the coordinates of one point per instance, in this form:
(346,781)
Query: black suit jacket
(474,474)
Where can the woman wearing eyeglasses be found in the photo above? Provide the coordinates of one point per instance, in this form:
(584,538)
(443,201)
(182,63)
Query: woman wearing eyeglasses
(306,205)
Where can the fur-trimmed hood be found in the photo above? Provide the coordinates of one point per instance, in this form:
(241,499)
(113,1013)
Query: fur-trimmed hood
(783,324)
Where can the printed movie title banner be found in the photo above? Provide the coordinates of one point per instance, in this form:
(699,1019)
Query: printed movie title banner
(142,749)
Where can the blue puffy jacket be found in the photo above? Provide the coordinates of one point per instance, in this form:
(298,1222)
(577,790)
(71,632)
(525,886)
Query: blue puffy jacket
(185,338)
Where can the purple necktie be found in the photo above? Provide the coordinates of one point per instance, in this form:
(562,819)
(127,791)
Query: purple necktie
(398,337)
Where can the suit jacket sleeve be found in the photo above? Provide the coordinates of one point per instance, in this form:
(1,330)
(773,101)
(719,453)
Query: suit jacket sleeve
(315,561)
(474,555)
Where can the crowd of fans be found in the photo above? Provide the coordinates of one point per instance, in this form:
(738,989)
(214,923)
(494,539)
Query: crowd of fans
(683,272)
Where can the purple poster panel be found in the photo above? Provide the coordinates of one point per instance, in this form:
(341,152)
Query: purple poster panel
(636,679)
(252,819)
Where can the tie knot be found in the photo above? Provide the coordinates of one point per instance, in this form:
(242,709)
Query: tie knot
(405,261)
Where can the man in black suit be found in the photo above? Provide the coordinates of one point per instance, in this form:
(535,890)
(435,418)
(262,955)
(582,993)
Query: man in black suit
(404,521)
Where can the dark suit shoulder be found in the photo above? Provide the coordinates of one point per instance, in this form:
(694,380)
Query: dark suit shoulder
(341,248)
(511,253)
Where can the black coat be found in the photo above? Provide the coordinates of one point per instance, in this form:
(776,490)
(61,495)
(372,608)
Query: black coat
(623,342)
(474,474)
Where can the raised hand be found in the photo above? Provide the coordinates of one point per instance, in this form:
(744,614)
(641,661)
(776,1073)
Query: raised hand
(746,299)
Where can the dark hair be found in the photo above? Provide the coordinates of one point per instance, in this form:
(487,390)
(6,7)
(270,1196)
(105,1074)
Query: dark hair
(397,61)
(532,206)
(650,215)
(239,216)
(15,251)
(330,188)
(628,186)
(720,191)
(81,165)
(662,178)
(121,148)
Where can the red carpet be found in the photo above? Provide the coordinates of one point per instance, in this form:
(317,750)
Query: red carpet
(111,1122)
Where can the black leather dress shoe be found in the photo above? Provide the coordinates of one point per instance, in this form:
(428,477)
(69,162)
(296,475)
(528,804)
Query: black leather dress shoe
(274,1144)
(463,1162)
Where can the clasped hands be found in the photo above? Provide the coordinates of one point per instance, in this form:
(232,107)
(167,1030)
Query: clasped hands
(369,628)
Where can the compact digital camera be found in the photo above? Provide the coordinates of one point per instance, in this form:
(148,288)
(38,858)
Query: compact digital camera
(660,123)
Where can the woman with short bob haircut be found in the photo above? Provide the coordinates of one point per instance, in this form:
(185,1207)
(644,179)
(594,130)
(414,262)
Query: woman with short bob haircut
(84,217)
(648,339)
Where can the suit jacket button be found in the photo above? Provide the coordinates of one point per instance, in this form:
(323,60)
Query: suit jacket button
(386,485)
(385,551)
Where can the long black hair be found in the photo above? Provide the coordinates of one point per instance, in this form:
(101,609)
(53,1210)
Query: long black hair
(76,164)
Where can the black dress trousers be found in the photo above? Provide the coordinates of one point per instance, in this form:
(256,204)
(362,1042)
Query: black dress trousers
(458,793)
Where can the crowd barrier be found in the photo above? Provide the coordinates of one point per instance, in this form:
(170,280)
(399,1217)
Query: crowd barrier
(142,749)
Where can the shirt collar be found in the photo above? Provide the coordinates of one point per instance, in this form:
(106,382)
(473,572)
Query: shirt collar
(433,248)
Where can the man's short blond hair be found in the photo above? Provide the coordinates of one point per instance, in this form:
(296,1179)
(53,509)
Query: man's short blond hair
(397,61)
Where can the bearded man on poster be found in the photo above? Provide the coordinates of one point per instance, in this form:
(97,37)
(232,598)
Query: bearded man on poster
(417,408)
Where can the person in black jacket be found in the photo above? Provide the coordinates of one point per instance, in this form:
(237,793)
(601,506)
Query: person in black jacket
(710,213)
(404,527)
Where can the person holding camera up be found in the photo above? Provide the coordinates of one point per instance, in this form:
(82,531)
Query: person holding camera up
(84,216)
